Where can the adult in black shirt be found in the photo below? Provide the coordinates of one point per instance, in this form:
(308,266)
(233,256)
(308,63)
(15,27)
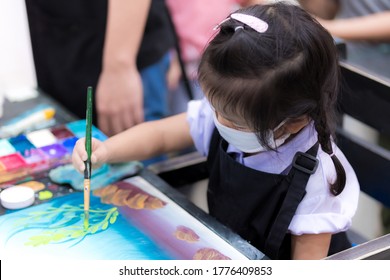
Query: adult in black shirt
(119,47)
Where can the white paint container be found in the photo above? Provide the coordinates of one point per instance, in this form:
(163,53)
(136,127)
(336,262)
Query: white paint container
(17,197)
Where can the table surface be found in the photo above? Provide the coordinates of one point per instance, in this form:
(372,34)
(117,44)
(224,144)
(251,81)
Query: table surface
(13,109)
(376,249)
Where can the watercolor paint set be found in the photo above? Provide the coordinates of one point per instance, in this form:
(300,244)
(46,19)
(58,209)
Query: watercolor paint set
(44,189)
(40,150)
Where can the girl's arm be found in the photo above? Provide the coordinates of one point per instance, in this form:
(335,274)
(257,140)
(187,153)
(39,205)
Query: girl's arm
(149,139)
(310,246)
(140,142)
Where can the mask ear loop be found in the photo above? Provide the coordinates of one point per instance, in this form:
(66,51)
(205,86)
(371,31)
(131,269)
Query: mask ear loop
(279,141)
(279,125)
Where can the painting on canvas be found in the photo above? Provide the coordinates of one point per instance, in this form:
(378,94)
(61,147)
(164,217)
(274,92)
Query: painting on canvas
(129,219)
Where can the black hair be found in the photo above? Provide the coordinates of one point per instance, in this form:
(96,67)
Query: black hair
(288,71)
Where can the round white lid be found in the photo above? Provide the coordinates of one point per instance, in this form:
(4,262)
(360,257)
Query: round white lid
(17,197)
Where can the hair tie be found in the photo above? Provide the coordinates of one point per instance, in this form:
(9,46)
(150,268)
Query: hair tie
(332,154)
(252,21)
(238,27)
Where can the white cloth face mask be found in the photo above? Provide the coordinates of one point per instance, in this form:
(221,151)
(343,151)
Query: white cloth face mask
(247,142)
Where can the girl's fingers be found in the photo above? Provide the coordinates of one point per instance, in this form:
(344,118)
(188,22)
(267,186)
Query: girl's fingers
(79,155)
(78,163)
(81,167)
(93,159)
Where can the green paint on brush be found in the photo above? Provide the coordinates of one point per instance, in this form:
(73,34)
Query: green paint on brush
(88,148)
(86,220)
(88,132)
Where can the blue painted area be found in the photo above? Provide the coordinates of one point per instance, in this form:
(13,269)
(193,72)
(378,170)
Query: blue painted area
(78,129)
(62,218)
(103,176)
(21,143)
(6,148)
(69,143)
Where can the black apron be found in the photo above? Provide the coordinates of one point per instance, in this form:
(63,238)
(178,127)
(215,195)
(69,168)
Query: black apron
(259,206)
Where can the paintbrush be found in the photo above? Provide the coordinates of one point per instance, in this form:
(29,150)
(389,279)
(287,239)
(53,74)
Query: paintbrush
(88,148)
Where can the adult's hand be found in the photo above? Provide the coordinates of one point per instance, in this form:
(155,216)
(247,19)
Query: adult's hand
(119,100)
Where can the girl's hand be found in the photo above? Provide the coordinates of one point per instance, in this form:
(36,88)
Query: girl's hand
(98,156)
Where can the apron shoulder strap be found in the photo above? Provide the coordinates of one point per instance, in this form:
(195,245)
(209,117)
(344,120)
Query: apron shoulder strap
(303,165)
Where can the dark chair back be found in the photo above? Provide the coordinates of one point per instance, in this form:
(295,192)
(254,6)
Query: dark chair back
(367,99)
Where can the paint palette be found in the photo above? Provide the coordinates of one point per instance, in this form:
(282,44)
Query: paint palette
(41,184)
(40,150)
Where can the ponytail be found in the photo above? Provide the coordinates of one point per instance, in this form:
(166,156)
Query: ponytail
(324,138)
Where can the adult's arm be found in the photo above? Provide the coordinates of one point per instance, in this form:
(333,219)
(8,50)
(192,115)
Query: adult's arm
(325,9)
(373,27)
(119,95)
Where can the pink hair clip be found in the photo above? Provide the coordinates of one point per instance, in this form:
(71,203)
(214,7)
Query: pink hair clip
(255,23)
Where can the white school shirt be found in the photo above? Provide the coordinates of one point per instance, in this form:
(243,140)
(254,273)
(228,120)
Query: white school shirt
(319,211)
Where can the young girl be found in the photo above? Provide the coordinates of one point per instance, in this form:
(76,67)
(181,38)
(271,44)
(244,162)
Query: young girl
(270,78)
